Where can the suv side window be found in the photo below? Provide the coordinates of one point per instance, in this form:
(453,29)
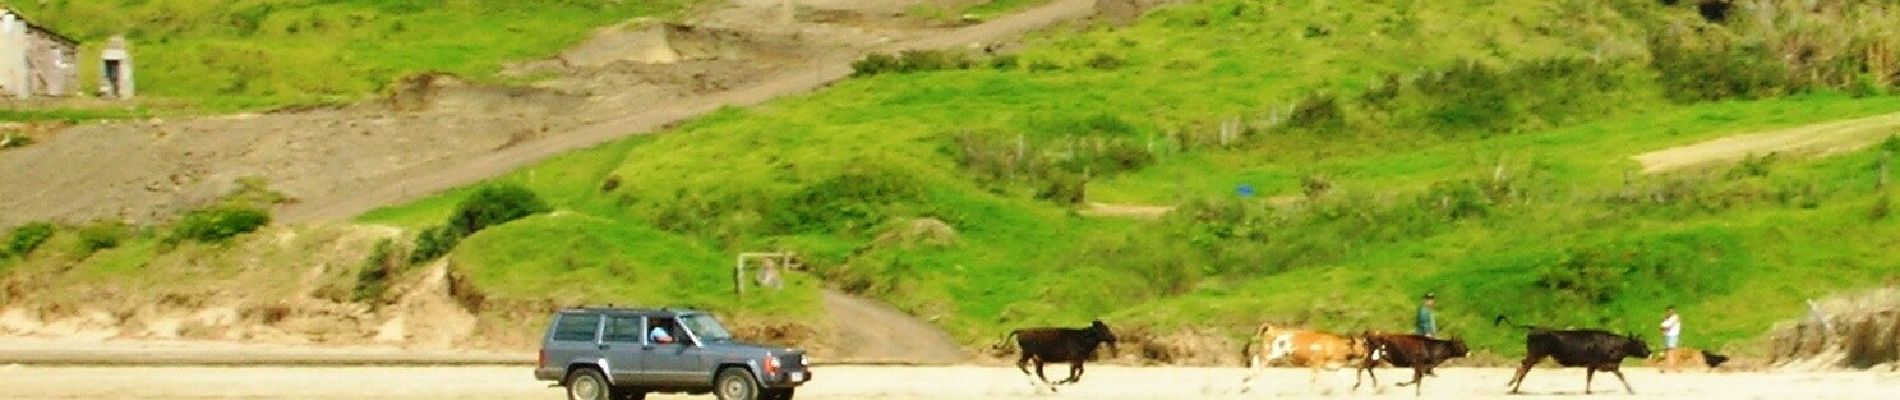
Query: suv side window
(624,330)
(577,327)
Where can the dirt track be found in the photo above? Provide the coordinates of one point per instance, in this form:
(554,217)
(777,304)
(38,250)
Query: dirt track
(406,187)
(909,383)
(1822,139)
(873,331)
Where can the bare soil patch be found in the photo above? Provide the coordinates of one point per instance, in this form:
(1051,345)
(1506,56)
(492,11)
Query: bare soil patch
(1817,139)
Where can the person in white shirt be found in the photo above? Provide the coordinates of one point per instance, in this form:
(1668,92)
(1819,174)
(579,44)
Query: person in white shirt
(1672,336)
(659,336)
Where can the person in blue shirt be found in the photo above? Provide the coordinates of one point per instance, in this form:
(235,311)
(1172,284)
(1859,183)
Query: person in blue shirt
(659,335)
(1427,322)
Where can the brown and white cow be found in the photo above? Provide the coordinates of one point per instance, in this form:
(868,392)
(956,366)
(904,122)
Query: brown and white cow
(1299,347)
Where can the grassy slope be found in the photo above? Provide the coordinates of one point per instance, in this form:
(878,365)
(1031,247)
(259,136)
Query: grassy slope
(689,199)
(221,54)
(1019,261)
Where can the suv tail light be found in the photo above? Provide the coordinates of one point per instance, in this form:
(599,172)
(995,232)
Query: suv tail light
(771,365)
(542,360)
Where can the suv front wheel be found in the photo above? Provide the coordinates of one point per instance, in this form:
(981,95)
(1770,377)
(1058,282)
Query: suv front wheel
(736,384)
(588,384)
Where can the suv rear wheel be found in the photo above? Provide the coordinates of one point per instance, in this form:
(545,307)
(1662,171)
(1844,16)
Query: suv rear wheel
(588,384)
(736,384)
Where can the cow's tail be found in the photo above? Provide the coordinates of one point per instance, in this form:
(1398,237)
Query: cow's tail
(1502,320)
(1002,346)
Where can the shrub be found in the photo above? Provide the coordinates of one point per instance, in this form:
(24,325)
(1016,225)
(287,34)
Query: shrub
(1319,112)
(216,224)
(1064,188)
(101,235)
(373,279)
(494,205)
(915,61)
(1005,62)
(873,64)
(433,242)
(25,238)
(1753,165)
(1106,62)
(931,60)
(1717,71)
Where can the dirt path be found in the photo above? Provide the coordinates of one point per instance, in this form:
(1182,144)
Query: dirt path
(872,331)
(924,383)
(1818,139)
(1126,210)
(403,187)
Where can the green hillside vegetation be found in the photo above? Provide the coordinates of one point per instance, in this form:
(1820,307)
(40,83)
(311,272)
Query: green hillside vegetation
(1484,164)
(219,54)
(1467,148)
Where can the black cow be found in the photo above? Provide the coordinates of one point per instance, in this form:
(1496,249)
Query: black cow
(1057,345)
(1420,352)
(1593,349)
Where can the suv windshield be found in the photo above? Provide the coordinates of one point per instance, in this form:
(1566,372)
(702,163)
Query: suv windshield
(707,328)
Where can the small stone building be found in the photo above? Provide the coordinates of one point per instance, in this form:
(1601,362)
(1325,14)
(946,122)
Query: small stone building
(35,61)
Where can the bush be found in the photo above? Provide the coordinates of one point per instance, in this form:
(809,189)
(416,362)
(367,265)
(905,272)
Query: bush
(216,224)
(918,61)
(1106,62)
(494,205)
(873,64)
(433,242)
(25,238)
(373,280)
(1717,71)
(1064,188)
(101,235)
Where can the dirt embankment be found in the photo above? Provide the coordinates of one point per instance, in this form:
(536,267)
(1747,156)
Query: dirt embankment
(1849,331)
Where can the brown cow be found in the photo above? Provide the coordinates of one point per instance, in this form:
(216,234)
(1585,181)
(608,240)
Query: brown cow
(1421,353)
(1315,349)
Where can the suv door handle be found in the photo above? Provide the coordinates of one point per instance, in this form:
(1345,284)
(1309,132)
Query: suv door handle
(604,346)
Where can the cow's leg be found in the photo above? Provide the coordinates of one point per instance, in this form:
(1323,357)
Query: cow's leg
(1075,372)
(1367,370)
(1418,379)
(1039,375)
(1023,364)
(1589,373)
(1626,382)
(1523,369)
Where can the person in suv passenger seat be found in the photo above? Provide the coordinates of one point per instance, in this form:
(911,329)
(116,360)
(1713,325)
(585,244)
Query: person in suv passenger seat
(659,335)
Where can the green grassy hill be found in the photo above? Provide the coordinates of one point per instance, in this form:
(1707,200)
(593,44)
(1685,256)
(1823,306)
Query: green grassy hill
(1391,122)
(219,54)
(1469,148)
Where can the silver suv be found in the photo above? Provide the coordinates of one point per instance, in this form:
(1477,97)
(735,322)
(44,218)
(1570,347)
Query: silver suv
(623,354)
